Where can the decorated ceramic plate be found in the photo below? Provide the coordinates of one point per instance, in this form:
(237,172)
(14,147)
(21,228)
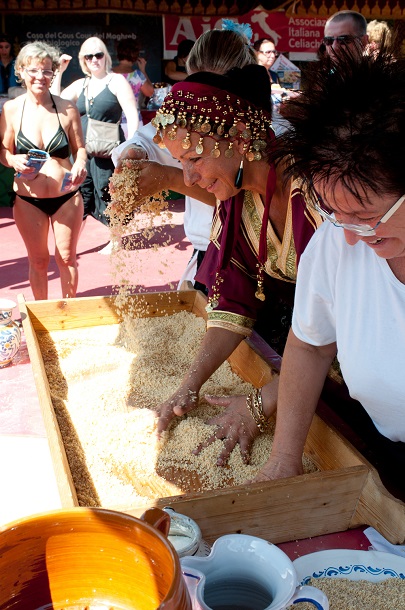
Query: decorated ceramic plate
(374,566)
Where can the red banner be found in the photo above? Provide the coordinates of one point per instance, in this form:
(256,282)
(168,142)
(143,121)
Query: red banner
(294,34)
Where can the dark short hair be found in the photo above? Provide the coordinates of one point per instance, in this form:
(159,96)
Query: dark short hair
(259,42)
(128,49)
(184,48)
(346,128)
(358,20)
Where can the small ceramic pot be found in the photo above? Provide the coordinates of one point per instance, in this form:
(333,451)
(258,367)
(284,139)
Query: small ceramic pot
(245,572)
(184,533)
(10,333)
(80,558)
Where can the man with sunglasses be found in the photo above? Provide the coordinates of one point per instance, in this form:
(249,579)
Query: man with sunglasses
(345,30)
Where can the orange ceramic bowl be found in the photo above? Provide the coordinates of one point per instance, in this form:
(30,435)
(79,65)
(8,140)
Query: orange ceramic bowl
(90,558)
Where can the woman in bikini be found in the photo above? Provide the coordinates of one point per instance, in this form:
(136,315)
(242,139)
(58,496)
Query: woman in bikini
(38,120)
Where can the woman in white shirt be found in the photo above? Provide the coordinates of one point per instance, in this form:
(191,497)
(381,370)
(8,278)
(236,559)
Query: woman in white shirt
(347,140)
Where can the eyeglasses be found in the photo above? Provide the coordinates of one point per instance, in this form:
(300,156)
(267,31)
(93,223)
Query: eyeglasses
(90,56)
(364,230)
(344,40)
(276,53)
(34,73)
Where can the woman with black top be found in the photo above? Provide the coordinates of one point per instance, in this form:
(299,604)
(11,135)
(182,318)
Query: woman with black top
(38,120)
(108,94)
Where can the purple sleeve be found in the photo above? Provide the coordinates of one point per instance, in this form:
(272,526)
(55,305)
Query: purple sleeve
(304,224)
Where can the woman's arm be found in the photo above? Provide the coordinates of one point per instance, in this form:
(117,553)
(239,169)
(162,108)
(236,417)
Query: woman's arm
(64,61)
(147,88)
(7,140)
(76,142)
(155,177)
(303,372)
(217,345)
(172,73)
(73,91)
(127,101)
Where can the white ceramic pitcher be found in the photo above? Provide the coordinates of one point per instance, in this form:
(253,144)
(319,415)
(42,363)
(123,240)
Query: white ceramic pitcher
(246,573)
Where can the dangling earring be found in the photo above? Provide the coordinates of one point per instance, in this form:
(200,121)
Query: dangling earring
(239,176)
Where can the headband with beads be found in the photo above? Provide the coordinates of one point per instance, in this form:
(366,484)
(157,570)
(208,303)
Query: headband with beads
(212,112)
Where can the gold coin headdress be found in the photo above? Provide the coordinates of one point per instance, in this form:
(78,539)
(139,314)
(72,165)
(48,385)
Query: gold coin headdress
(213,112)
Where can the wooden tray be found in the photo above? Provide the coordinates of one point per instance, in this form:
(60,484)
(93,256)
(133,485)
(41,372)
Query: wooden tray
(346,493)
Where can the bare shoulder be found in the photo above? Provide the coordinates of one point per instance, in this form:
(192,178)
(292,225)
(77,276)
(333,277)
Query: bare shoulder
(64,105)
(117,82)
(116,77)
(13,107)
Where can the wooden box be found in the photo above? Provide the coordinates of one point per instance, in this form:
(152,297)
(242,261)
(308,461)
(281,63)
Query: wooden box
(345,493)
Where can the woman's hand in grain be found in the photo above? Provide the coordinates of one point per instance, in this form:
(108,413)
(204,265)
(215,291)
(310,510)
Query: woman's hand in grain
(235,425)
(182,401)
(279,466)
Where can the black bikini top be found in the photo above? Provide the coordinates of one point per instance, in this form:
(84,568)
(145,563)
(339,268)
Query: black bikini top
(57,147)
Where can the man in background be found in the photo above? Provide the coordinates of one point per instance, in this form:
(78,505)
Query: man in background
(345,30)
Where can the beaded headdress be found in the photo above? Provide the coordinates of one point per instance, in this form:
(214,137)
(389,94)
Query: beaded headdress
(212,105)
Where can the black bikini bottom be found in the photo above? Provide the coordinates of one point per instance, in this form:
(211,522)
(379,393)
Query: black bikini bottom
(49,205)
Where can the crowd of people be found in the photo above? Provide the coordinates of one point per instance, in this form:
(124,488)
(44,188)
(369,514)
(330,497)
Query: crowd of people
(299,235)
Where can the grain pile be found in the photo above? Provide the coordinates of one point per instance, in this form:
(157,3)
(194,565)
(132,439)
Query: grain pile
(105,383)
(344,594)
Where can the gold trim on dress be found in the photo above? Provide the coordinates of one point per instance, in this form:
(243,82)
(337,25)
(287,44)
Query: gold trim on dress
(233,322)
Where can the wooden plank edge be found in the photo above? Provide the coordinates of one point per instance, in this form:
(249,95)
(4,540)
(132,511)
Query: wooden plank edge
(376,507)
(60,314)
(66,487)
(271,510)
(380,510)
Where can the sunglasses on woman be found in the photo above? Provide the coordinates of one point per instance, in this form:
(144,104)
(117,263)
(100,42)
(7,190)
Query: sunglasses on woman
(90,56)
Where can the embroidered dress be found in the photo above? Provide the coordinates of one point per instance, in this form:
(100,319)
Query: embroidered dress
(236,305)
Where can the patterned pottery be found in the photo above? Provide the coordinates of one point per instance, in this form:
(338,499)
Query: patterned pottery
(10,333)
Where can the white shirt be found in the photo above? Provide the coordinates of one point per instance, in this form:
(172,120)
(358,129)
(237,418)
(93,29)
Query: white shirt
(348,294)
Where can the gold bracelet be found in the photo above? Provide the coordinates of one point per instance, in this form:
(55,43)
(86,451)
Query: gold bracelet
(254,404)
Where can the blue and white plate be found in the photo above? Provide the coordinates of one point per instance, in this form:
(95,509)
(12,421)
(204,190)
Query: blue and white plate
(373,566)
